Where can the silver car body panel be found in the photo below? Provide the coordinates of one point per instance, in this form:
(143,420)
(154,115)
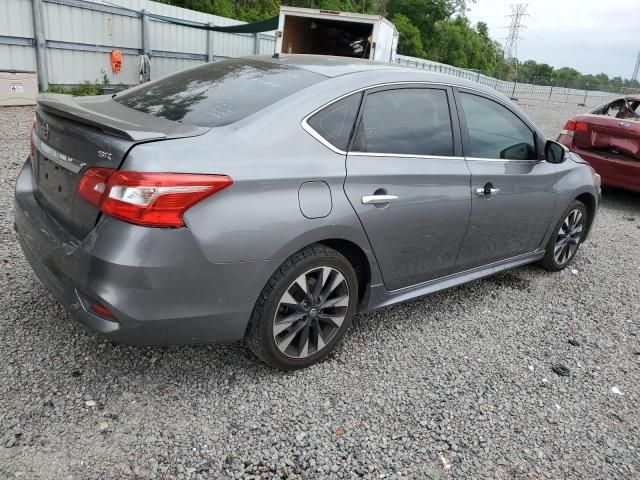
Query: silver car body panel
(200,283)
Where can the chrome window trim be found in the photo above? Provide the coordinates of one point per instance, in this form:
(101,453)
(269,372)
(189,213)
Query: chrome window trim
(481,159)
(403,155)
(311,131)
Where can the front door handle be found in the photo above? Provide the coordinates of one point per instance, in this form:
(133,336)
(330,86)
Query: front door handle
(487,191)
(378,199)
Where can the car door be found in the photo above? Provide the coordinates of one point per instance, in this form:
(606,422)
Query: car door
(513,189)
(408,182)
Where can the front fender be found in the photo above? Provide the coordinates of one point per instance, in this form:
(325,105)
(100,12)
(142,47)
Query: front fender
(575,181)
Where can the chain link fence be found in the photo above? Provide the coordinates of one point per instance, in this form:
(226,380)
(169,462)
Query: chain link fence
(520,91)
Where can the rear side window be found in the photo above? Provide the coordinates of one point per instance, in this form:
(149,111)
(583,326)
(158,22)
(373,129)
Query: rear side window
(495,131)
(335,122)
(218,93)
(411,121)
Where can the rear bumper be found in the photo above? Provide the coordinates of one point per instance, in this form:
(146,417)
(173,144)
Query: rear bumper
(156,282)
(615,171)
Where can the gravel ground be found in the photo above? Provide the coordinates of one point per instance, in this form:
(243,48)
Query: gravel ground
(455,385)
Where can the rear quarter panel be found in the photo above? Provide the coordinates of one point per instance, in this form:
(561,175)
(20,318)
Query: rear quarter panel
(268,156)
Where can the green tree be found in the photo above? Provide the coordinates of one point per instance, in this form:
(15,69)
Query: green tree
(424,14)
(410,41)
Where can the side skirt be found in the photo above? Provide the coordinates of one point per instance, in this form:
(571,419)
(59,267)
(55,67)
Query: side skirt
(381,297)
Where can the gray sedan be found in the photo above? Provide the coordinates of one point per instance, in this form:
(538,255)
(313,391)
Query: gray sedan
(270,199)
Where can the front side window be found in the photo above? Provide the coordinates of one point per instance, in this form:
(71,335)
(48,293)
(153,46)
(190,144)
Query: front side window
(335,122)
(218,93)
(495,131)
(409,121)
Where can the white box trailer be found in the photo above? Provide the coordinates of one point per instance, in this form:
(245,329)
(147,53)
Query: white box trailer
(328,32)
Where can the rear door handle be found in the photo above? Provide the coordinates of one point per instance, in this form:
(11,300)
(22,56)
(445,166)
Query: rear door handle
(487,191)
(378,199)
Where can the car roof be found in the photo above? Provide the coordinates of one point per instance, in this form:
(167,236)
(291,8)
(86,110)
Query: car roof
(331,66)
(327,65)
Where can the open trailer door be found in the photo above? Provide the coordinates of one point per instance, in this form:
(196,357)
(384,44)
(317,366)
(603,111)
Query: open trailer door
(329,32)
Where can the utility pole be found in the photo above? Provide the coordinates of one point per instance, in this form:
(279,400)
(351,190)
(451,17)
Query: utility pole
(41,45)
(636,69)
(518,13)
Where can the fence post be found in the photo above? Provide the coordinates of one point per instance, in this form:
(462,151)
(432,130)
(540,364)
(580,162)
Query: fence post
(256,43)
(210,43)
(513,92)
(41,45)
(584,102)
(146,33)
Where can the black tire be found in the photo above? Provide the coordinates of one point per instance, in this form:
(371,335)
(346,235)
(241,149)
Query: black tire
(550,261)
(261,337)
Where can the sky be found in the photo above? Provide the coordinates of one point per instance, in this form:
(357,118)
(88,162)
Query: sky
(592,36)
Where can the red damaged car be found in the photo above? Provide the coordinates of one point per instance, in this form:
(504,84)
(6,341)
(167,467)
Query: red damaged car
(609,139)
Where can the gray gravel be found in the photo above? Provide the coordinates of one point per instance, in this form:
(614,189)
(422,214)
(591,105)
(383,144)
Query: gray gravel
(455,385)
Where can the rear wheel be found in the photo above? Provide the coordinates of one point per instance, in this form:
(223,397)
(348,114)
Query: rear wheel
(565,241)
(304,310)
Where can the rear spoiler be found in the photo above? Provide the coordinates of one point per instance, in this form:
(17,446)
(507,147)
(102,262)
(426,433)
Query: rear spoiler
(104,114)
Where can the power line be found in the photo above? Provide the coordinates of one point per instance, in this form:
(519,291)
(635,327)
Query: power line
(518,13)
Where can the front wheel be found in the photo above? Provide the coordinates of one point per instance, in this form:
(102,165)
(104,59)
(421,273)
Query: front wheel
(565,241)
(304,310)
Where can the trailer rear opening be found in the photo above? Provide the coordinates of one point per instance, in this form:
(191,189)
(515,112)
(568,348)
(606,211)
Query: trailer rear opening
(327,32)
(326,37)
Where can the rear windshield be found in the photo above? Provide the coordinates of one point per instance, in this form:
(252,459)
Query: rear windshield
(218,93)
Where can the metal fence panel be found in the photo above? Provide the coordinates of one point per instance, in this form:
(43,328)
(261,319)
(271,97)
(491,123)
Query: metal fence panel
(69,67)
(164,66)
(16,57)
(176,38)
(80,34)
(15,18)
(79,25)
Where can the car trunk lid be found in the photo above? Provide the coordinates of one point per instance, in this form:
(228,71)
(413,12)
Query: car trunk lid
(616,136)
(72,135)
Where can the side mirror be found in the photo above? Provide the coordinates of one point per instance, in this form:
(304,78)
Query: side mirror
(555,152)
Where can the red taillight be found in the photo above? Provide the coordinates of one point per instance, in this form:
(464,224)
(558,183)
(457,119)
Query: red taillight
(149,199)
(93,184)
(573,126)
(582,127)
(100,310)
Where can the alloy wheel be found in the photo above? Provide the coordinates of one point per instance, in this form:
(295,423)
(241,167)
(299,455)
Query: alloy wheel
(311,312)
(569,237)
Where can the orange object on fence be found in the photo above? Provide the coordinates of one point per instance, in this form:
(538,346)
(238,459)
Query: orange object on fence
(116,61)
